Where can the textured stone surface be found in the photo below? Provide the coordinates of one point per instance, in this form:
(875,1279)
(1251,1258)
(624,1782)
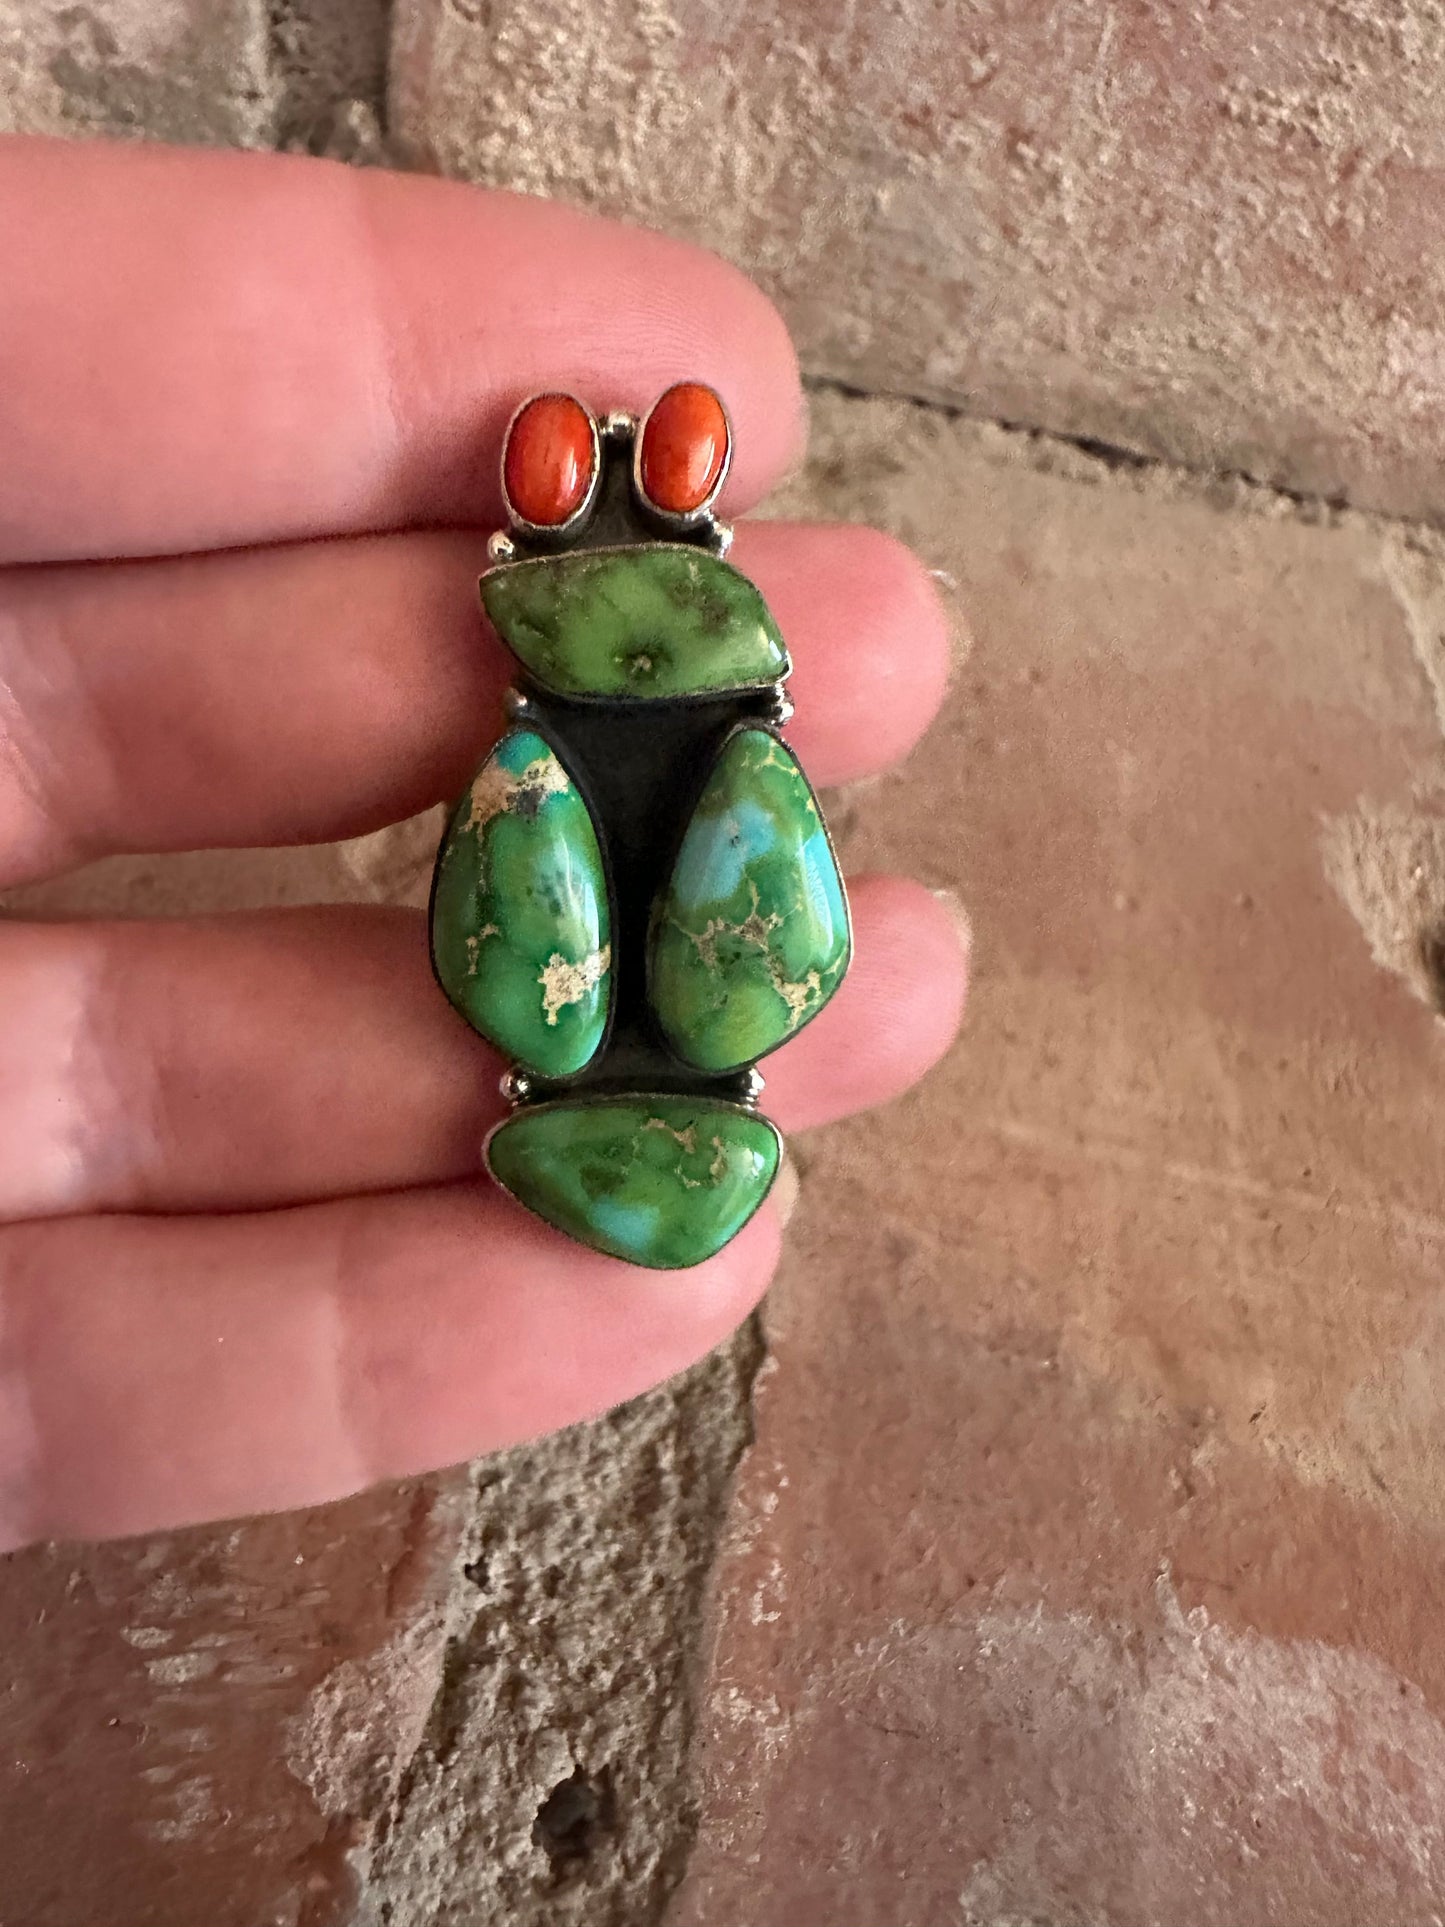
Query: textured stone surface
(1086,1567)
(623,623)
(1189,227)
(552,1783)
(751,938)
(662,1181)
(520,927)
(307,74)
(123,67)
(165,1702)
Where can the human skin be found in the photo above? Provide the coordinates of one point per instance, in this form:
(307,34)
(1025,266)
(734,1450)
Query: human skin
(249,418)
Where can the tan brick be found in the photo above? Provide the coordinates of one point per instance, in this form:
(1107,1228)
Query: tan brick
(1086,1566)
(196,72)
(163,1759)
(1201,231)
(307,74)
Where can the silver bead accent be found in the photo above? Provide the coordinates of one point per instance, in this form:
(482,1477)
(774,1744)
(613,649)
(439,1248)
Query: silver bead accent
(619,426)
(754,1085)
(515,1086)
(722,538)
(517,706)
(501,547)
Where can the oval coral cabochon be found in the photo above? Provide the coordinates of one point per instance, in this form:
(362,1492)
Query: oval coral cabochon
(684,449)
(549,463)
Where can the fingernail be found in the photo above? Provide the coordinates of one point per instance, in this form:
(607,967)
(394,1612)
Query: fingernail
(957,916)
(785,1190)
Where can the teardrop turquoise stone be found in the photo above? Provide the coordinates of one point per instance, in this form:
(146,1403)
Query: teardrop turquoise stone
(656,622)
(519,922)
(751,938)
(660,1181)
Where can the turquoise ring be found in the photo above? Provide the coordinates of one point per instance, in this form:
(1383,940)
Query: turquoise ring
(637,897)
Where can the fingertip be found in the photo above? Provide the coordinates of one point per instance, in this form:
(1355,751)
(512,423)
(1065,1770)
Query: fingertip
(897,1013)
(953,907)
(715,324)
(536,1332)
(918,983)
(903,656)
(729,1286)
(773,434)
(871,640)
(657,310)
(922,625)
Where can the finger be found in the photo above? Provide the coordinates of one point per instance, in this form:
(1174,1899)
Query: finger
(894,1015)
(207,349)
(257,1060)
(159,1371)
(295,694)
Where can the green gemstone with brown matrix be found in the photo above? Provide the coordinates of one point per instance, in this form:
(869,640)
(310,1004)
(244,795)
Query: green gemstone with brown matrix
(520,924)
(662,1181)
(751,937)
(636,624)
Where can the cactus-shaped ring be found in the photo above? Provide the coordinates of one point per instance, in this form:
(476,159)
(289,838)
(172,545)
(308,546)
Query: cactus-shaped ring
(637,898)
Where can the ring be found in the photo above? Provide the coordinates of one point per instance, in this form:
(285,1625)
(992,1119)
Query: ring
(637,898)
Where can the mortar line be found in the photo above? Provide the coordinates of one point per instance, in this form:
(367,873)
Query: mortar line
(1118,459)
(282,17)
(753,1355)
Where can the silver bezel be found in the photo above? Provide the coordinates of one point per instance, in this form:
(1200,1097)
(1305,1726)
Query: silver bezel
(549,532)
(702,515)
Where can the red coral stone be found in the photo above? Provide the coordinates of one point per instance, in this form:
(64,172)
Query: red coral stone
(547,463)
(684,447)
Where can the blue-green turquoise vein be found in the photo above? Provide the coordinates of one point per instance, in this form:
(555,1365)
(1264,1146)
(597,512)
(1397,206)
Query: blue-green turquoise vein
(751,937)
(663,1181)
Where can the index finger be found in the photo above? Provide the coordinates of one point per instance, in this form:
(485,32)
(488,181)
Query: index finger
(205,349)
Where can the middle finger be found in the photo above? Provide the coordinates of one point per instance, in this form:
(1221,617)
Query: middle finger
(297,694)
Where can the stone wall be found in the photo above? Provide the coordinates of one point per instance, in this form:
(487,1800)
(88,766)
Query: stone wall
(1062,1546)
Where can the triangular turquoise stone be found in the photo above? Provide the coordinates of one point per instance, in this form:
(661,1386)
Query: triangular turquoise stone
(519,920)
(751,937)
(660,1181)
(655,622)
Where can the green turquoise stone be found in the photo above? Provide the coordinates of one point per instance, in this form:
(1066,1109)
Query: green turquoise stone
(660,1181)
(751,939)
(519,922)
(662,621)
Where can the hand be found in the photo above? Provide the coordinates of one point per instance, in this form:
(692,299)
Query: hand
(250,412)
